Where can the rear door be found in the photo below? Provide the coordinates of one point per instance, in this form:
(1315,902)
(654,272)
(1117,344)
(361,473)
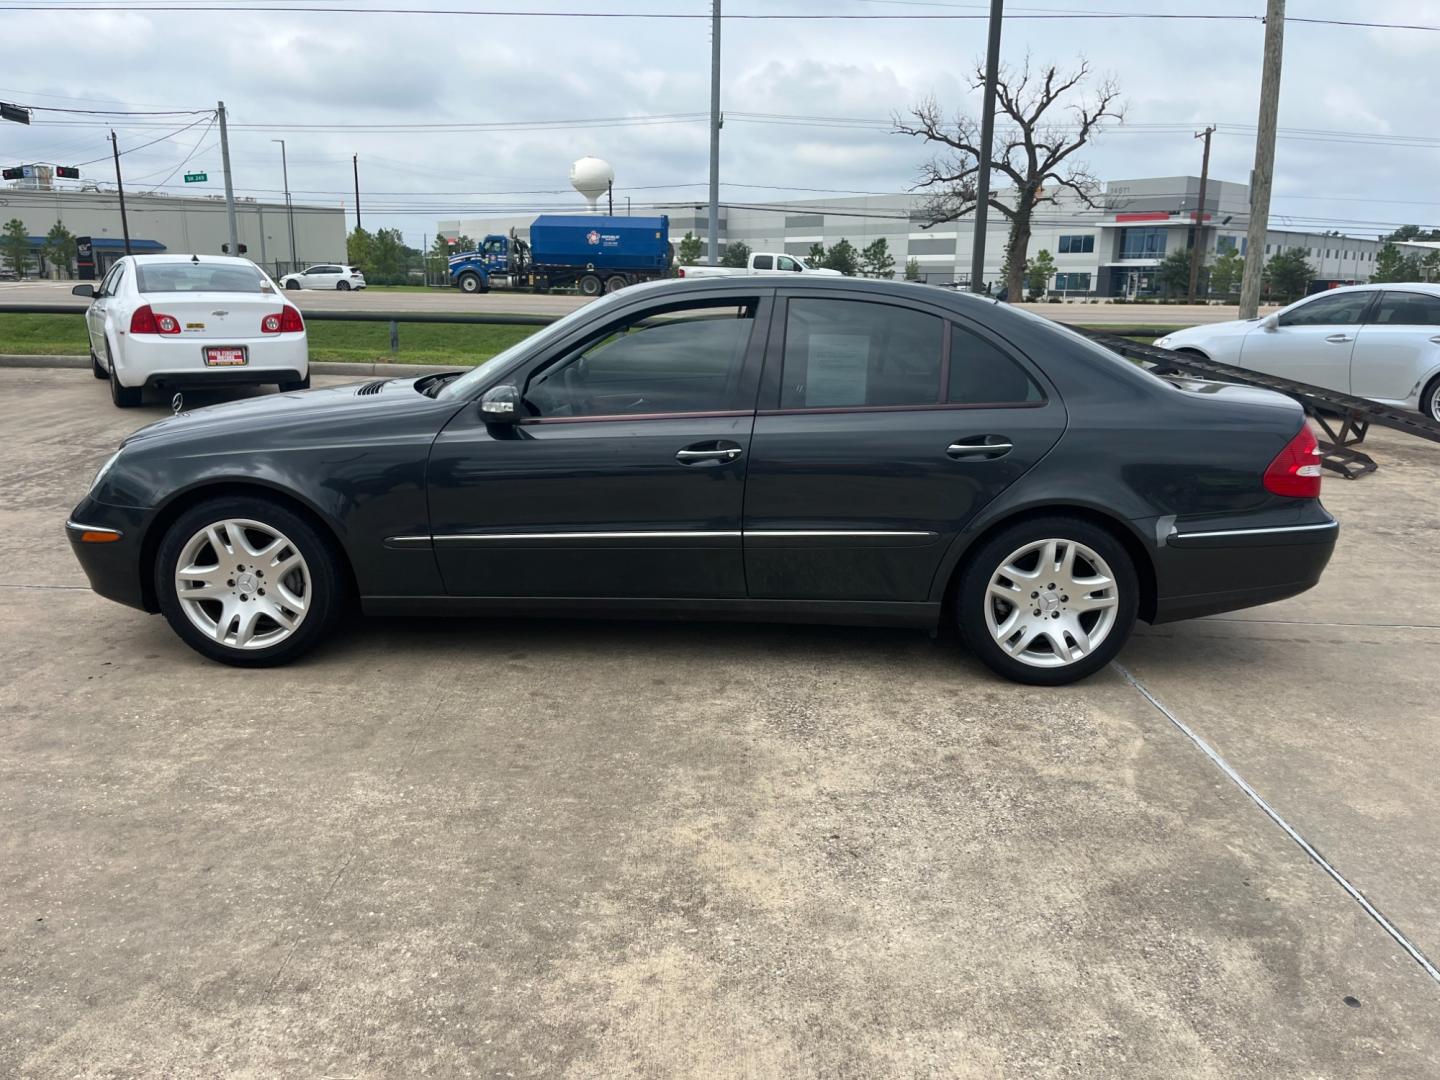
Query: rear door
(1398,345)
(1313,341)
(625,479)
(885,425)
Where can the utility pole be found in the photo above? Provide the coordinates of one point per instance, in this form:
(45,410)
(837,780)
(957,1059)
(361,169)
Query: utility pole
(289,209)
(610,197)
(120,187)
(1197,248)
(1264,171)
(713,245)
(355,162)
(260,212)
(229,186)
(987,138)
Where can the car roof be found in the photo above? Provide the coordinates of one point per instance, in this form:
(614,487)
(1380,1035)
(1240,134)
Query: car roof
(208,260)
(1380,286)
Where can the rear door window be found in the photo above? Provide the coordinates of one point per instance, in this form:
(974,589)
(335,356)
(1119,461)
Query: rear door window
(1406,309)
(764,262)
(841,353)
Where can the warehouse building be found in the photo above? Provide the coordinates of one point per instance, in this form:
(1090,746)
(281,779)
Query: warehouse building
(175,224)
(1110,250)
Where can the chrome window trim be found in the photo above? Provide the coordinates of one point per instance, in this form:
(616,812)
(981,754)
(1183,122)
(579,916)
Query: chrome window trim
(1256,532)
(651,535)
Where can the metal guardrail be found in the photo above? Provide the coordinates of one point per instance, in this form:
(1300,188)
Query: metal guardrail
(1345,419)
(493,319)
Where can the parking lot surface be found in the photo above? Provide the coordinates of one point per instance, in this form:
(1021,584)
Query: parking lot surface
(510,848)
(453,300)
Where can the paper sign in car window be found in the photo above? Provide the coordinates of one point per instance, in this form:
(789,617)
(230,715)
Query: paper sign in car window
(836,369)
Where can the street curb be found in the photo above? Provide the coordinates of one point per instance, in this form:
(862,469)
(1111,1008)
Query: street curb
(317,367)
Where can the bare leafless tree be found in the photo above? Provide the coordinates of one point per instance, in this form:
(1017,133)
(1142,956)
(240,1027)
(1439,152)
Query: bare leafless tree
(1032,151)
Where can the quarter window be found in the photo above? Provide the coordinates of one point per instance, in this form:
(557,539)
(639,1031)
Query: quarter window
(684,360)
(1407,309)
(980,374)
(1342,310)
(764,262)
(846,353)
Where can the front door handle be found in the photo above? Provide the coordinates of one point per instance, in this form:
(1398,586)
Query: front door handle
(980,446)
(704,453)
(1338,339)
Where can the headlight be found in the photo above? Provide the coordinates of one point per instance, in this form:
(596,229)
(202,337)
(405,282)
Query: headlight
(104,469)
(1162,343)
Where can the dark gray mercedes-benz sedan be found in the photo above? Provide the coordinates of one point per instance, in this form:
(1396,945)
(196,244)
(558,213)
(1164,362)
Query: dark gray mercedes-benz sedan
(814,450)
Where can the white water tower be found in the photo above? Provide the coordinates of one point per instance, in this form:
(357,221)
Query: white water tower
(592,177)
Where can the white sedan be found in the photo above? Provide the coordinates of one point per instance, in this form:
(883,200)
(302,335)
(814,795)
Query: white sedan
(1380,342)
(190,320)
(326,276)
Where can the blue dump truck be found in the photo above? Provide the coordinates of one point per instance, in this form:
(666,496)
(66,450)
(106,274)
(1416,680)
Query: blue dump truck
(594,254)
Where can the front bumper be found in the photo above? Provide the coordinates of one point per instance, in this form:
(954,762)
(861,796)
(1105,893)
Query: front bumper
(113,567)
(1212,571)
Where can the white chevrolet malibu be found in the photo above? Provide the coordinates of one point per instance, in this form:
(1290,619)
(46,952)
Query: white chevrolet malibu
(168,321)
(1373,341)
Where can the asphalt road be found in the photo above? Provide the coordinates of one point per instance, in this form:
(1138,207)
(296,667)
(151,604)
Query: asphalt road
(452,300)
(568,849)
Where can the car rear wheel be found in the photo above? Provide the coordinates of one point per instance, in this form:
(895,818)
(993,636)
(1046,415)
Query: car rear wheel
(298,384)
(124,397)
(342,286)
(96,368)
(1430,400)
(1048,601)
(247,582)
(590,285)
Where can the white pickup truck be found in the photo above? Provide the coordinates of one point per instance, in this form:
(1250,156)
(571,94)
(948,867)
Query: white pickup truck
(761,262)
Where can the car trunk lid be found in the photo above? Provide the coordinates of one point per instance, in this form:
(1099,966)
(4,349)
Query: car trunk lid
(216,316)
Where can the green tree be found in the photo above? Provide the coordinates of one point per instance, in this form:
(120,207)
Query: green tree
(1173,273)
(60,248)
(15,247)
(444,248)
(876,260)
(690,249)
(360,250)
(736,254)
(912,269)
(1039,273)
(844,258)
(1390,265)
(1226,272)
(390,257)
(1288,274)
(816,259)
(1430,266)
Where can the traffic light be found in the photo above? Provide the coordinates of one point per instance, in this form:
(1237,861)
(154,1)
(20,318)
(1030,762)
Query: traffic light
(67,172)
(13,174)
(17,113)
(225,249)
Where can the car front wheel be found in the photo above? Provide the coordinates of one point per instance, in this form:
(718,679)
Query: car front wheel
(247,582)
(1048,601)
(292,284)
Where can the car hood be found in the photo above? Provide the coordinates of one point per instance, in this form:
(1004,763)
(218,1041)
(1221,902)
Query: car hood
(309,408)
(1205,330)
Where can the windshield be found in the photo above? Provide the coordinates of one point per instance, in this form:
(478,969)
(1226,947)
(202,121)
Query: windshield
(462,386)
(199,277)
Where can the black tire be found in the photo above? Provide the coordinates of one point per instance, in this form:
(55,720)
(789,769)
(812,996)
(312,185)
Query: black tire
(299,384)
(972,598)
(471,283)
(294,286)
(1430,400)
(327,586)
(96,368)
(590,285)
(615,283)
(124,397)
(342,286)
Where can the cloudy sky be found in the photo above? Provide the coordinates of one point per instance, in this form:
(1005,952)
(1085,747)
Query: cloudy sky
(1357,151)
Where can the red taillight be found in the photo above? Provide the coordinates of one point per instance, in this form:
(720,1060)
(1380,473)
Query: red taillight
(1295,472)
(290,321)
(146,321)
(679,271)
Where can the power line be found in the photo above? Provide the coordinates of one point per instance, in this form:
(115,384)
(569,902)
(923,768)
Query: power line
(152,142)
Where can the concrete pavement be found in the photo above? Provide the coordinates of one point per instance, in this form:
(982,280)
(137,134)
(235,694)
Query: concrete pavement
(592,850)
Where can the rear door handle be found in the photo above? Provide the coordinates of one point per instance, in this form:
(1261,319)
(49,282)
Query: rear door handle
(703,453)
(1338,339)
(980,446)
(1435,340)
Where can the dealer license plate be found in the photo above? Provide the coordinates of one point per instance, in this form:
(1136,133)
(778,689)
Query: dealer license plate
(225,356)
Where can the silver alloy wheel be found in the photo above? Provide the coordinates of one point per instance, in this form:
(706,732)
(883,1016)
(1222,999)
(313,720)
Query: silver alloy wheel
(243,583)
(1435,402)
(1051,603)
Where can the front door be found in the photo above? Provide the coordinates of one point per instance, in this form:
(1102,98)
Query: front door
(884,428)
(1312,342)
(626,477)
(1398,345)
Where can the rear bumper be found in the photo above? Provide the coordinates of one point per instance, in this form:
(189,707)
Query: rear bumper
(151,361)
(1205,573)
(223,377)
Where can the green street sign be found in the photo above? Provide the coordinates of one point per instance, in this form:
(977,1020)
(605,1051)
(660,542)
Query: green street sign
(196,177)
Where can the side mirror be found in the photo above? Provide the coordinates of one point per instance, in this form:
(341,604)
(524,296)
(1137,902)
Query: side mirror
(83,290)
(500,405)
(1270,322)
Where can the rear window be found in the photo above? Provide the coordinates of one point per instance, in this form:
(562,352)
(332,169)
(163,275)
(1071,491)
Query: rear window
(182,277)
